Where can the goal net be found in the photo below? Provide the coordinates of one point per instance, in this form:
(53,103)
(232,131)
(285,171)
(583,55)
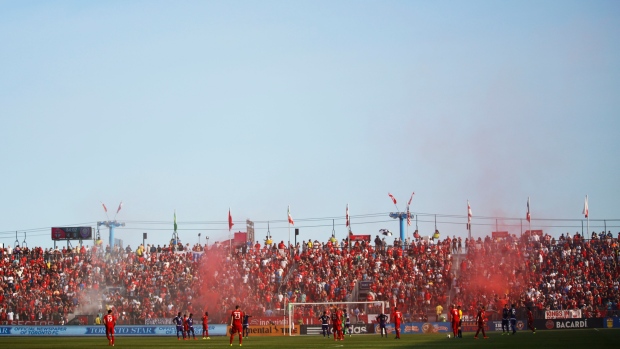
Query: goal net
(360,313)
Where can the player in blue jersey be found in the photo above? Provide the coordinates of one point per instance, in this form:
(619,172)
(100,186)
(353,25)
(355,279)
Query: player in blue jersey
(178,321)
(324,324)
(190,326)
(505,320)
(382,320)
(513,319)
(347,324)
(246,325)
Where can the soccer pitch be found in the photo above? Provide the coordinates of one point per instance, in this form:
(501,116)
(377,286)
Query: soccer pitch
(589,338)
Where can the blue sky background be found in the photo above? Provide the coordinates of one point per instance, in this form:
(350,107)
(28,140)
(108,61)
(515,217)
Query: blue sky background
(200,106)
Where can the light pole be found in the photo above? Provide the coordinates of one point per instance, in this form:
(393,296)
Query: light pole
(206,237)
(199,239)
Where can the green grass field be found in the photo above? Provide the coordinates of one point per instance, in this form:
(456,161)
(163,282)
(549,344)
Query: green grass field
(590,338)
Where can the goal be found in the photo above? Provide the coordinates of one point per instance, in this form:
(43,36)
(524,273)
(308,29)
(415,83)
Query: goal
(298,311)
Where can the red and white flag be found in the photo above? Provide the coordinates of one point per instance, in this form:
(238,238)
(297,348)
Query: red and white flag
(290,218)
(392,197)
(411,198)
(347,217)
(119,207)
(585,207)
(104,208)
(408,216)
(469,215)
(230,223)
(527,216)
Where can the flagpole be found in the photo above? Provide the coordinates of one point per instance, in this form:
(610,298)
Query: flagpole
(588,217)
(288,213)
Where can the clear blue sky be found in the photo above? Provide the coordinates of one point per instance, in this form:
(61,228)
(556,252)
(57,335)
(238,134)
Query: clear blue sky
(198,106)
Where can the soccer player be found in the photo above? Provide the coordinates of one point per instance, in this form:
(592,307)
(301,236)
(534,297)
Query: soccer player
(178,321)
(205,326)
(190,326)
(397,317)
(185,327)
(530,320)
(109,321)
(480,319)
(505,317)
(513,319)
(324,324)
(454,316)
(235,325)
(335,317)
(246,325)
(347,323)
(460,333)
(382,320)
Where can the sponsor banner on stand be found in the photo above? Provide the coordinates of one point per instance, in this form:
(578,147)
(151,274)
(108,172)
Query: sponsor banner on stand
(318,329)
(563,324)
(77,331)
(563,314)
(417,327)
(612,322)
(268,321)
(29,323)
(269,330)
(496,326)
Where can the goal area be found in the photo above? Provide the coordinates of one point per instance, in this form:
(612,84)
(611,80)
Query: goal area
(300,313)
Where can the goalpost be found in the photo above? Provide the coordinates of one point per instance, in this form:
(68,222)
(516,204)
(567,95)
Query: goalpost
(326,306)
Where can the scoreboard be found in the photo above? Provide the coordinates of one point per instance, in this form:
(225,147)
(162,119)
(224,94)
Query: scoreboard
(72,233)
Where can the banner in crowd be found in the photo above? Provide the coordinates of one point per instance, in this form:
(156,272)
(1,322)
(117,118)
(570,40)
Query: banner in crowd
(91,331)
(568,324)
(563,314)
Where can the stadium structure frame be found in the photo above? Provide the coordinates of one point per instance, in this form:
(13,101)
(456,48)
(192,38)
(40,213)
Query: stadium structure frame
(293,305)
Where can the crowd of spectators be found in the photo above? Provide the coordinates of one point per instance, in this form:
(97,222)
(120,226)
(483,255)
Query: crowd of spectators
(156,282)
(542,273)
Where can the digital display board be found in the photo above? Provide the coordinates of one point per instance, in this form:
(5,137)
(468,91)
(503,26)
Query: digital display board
(72,233)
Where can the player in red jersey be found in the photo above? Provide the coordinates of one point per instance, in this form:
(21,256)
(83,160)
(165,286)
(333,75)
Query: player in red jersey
(109,321)
(397,317)
(480,319)
(335,323)
(185,328)
(205,326)
(455,317)
(530,320)
(236,325)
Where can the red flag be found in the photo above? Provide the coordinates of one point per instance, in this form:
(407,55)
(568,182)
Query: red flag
(119,207)
(585,207)
(104,208)
(469,215)
(290,218)
(393,198)
(347,218)
(411,198)
(527,216)
(230,223)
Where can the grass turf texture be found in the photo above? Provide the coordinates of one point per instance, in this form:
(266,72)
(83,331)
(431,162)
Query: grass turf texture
(590,338)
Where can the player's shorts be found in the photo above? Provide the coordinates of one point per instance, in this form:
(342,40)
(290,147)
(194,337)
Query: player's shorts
(109,330)
(179,328)
(246,326)
(237,328)
(205,327)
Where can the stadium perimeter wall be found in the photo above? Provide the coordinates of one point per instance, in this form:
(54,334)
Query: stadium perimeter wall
(277,330)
